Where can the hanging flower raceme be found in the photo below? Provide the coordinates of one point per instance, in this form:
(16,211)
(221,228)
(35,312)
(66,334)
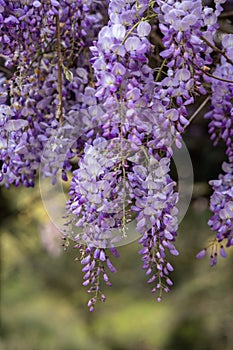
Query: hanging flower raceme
(221,110)
(39,101)
(105,189)
(188,29)
(221,205)
(155,205)
(92,89)
(221,128)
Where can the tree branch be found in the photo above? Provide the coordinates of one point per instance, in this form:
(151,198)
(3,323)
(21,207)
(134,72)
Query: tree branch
(215,48)
(59,65)
(198,110)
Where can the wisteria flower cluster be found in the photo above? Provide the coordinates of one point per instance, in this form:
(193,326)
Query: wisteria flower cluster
(83,93)
(42,42)
(221,129)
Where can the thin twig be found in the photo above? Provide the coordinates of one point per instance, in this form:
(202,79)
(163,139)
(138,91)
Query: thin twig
(214,76)
(6,71)
(215,48)
(143,19)
(59,65)
(160,70)
(211,75)
(198,110)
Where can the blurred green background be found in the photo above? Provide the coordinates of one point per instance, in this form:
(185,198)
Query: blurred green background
(43,303)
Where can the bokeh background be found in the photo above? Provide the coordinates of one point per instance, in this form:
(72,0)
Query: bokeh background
(43,303)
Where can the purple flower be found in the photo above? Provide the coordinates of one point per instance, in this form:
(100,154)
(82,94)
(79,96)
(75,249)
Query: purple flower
(118,31)
(36,3)
(132,44)
(143,29)
(221,204)
(129,116)
(221,111)
(156,219)
(201,254)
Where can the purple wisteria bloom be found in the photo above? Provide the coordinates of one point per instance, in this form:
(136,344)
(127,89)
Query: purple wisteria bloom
(134,116)
(101,89)
(221,204)
(155,205)
(33,88)
(221,110)
(183,23)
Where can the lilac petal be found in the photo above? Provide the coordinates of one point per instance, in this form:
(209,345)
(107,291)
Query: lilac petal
(86,268)
(115,252)
(169,282)
(118,31)
(105,276)
(87,275)
(223,252)
(213,259)
(97,253)
(174,252)
(143,29)
(201,254)
(92,309)
(102,255)
(86,260)
(14,125)
(143,251)
(152,279)
(85,283)
(132,44)
(11,19)
(36,4)
(169,267)
(110,266)
(54,3)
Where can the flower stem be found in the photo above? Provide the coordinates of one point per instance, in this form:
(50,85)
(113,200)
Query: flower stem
(59,65)
(216,49)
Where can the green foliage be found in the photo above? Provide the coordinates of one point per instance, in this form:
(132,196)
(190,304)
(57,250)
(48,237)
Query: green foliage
(43,303)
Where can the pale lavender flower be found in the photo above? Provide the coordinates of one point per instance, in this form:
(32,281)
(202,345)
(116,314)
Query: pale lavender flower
(221,204)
